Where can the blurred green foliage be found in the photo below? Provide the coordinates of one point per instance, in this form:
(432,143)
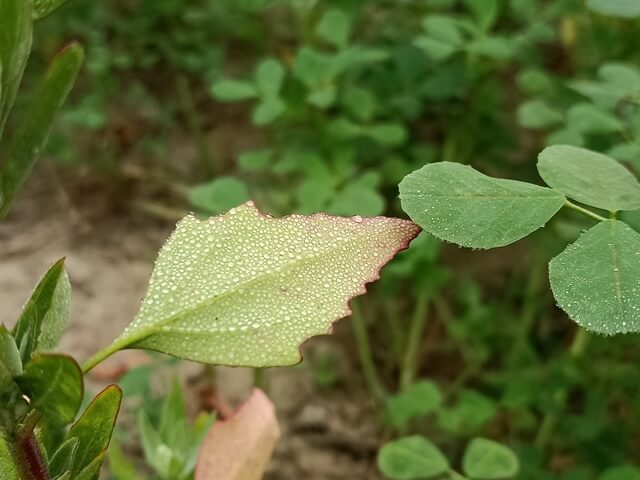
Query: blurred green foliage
(327,105)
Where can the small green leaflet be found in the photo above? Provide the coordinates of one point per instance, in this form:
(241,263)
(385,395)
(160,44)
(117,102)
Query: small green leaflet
(596,280)
(489,460)
(247,289)
(458,204)
(589,177)
(412,457)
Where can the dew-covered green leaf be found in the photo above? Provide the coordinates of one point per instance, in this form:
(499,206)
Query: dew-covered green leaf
(42,8)
(247,289)
(54,385)
(458,204)
(45,315)
(31,135)
(15,44)
(596,279)
(615,8)
(489,460)
(410,458)
(219,195)
(589,177)
(93,430)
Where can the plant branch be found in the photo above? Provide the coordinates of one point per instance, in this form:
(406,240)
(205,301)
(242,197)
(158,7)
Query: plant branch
(584,211)
(416,332)
(363,346)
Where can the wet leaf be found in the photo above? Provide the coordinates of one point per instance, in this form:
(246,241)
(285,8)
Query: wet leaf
(411,458)
(589,177)
(595,280)
(54,385)
(247,289)
(458,204)
(93,430)
(489,460)
(45,315)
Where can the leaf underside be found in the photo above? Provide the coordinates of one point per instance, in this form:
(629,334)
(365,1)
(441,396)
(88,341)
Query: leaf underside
(596,280)
(247,289)
(458,204)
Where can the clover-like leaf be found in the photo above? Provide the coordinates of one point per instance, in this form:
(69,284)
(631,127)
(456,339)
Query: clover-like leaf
(458,204)
(247,289)
(596,279)
(589,177)
(410,458)
(489,460)
(54,385)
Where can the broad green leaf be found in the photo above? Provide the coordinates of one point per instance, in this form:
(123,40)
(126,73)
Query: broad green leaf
(420,399)
(615,8)
(589,177)
(15,45)
(595,280)
(45,315)
(590,119)
(54,385)
(247,289)
(62,459)
(8,470)
(42,8)
(32,133)
(219,195)
(489,460)
(269,77)
(410,458)
(93,430)
(233,90)
(334,27)
(458,204)
(537,114)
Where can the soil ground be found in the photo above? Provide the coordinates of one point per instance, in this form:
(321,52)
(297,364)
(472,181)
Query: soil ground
(326,434)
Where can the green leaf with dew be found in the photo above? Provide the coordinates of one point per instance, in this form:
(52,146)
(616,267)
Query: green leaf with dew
(247,289)
(458,204)
(595,280)
(589,177)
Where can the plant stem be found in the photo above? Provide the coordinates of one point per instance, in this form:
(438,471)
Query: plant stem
(576,350)
(102,355)
(363,346)
(584,211)
(416,333)
(26,451)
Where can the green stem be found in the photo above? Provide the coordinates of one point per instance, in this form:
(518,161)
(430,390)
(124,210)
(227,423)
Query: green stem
(363,345)
(416,333)
(584,211)
(103,354)
(576,350)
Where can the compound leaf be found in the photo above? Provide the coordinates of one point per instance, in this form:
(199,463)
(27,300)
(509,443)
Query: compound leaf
(412,457)
(54,385)
(489,460)
(247,289)
(458,204)
(595,280)
(589,177)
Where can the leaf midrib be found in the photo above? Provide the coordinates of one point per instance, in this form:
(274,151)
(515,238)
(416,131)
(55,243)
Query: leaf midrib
(151,329)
